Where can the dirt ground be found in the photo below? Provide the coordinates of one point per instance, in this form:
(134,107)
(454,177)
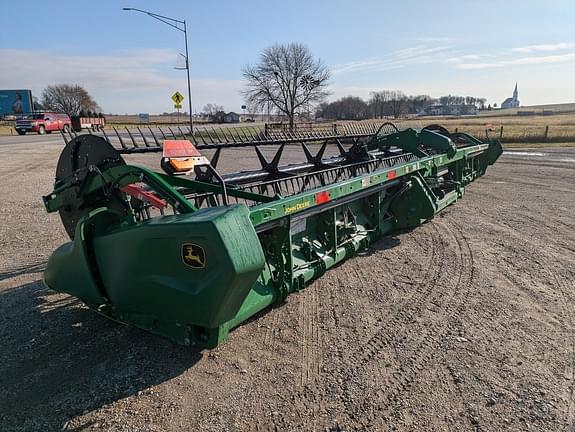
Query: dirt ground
(464,324)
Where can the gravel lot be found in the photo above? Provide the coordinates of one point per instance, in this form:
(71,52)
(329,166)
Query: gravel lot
(464,324)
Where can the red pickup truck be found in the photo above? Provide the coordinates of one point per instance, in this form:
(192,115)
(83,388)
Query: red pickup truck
(43,123)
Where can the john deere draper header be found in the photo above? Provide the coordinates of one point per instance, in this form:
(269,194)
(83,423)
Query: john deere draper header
(190,253)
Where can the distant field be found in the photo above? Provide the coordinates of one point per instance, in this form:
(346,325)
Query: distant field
(537,128)
(551,128)
(556,108)
(558,128)
(154,119)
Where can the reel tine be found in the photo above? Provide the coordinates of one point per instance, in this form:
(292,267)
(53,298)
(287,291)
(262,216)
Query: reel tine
(120,138)
(154,136)
(216,157)
(198,137)
(209,136)
(254,133)
(64,136)
(132,138)
(106,136)
(240,135)
(222,133)
(143,137)
(231,134)
(244,134)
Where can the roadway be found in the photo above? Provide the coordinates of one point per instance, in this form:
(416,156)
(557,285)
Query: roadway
(31,139)
(159,132)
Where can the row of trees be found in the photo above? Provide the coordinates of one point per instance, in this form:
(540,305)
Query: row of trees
(390,103)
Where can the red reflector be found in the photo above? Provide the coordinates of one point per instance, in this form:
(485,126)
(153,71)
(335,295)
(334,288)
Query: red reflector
(391,175)
(321,197)
(138,193)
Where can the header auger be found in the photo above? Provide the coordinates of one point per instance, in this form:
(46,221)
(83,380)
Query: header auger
(190,253)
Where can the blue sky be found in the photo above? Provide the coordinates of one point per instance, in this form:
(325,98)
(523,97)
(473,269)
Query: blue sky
(126,60)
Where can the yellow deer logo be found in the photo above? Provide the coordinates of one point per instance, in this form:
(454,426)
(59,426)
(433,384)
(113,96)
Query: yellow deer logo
(193,255)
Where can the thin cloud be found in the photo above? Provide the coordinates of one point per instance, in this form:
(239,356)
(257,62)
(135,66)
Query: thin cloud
(434,39)
(543,59)
(465,58)
(544,48)
(472,66)
(415,55)
(551,59)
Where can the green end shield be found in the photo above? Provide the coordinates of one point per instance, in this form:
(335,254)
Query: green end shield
(178,276)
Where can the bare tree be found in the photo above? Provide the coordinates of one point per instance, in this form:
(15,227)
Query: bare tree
(378,102)
(215,112)
(211,109)
(288,77)
(397,104)
(68,98)
(420,103)
(346,108)
(37,106)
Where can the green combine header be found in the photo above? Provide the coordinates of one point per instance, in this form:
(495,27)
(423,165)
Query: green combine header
(190,253)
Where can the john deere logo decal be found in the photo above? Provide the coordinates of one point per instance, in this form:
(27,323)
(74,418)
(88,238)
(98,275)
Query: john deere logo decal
(193,255)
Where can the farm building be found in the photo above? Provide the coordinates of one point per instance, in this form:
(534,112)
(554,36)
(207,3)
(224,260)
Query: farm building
(459,109)
(231,117)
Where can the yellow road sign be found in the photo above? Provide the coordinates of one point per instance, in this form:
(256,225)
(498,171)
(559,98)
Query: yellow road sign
(177,98)
(178,106)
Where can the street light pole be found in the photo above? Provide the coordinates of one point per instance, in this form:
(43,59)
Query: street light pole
(172,22)
(189,85)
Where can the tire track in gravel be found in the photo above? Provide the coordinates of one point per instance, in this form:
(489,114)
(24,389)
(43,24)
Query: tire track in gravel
(455,324)
(311,341)
(20,170)
(519,240)
(440,328)
(23,267)
(518,220)
(563,290)
(384,335)
(271,328)
(427,345)
(548,267)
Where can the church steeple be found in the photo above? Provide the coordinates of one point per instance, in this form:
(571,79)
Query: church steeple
(512,102)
